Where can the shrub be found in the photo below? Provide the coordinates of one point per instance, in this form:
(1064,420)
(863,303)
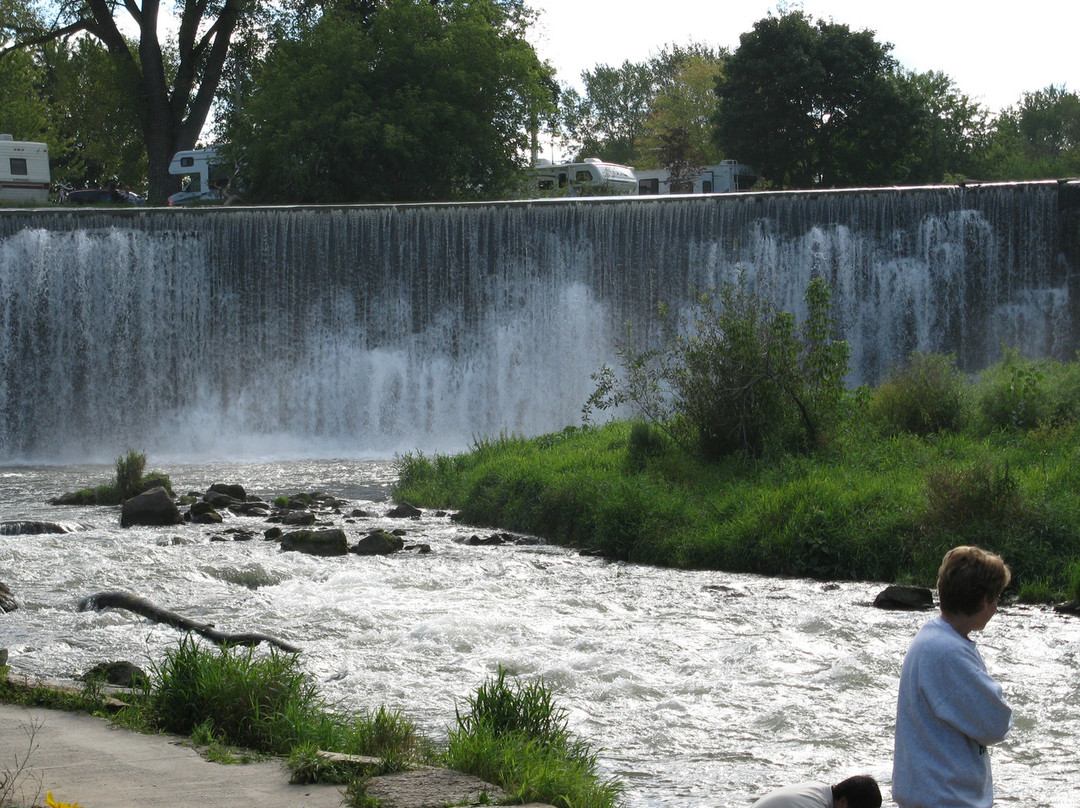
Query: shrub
(738,378)
(129,472)
(1013,395)
(960,499)
(924,396)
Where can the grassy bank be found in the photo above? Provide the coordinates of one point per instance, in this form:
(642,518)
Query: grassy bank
(881,501)
(242,704)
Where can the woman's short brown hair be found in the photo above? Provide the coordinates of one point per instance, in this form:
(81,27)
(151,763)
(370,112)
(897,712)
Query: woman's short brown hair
(968,576)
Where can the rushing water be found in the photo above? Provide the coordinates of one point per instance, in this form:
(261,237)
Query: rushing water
(700,687)
(379,329)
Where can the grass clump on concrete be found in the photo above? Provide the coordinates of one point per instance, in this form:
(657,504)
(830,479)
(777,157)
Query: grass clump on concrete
(515,736)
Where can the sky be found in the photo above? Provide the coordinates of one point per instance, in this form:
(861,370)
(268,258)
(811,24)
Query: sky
(992,55)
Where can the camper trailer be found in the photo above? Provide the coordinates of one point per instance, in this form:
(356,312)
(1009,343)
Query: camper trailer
(727,175)
(587,178)
(24,170)
(208,177)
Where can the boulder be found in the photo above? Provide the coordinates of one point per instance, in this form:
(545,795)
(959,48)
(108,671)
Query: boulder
(316,542)
(404,510)
(905,598)
(119,674)
(153,507)
(298,518)
(273,534)
(220,500)
(237,492)
(7,599)
(203,513)
(378,543)
(22,527)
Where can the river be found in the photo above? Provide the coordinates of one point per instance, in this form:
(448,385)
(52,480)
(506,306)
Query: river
(700,688)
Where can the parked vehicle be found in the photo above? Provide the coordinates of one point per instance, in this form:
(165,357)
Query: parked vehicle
(66,195)
(588,178)
(208,176)
(24,170)
(725,176)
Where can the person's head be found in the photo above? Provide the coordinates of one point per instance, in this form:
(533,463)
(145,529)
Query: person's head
(969,578)
(860,791)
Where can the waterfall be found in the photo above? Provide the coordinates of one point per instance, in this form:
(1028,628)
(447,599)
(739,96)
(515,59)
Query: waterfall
(365,330)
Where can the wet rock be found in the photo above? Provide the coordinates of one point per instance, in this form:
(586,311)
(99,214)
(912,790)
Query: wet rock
(905,598)
(203,513)
(403,510)
(316,542)
(237,492)
(7,599)
(493,540)
(30,528)
(358,513)
(153,508)
(119,674)
(273,534)
(378,543)
(1069,607)
(298,518)
(419,549)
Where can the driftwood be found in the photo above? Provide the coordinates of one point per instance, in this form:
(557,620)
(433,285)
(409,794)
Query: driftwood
(141,606)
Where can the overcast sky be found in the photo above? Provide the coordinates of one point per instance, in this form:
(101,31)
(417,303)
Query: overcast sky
(992,55)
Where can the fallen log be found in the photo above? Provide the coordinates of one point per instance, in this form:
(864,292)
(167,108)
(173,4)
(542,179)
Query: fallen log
(141,606)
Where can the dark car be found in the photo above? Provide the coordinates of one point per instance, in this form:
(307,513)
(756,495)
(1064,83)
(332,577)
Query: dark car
(97,196)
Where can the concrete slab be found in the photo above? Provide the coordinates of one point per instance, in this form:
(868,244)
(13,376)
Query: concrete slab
(86,760)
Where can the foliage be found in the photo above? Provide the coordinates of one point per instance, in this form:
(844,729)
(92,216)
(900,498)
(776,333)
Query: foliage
(129,482)
(624,111)
(951,133)
(815,104)
(514,735)
(414,101)
(1021,393)
(877,506)
(924,396)
(1038,138)
(236,698)
(171,99)
(743,379)
(129,472)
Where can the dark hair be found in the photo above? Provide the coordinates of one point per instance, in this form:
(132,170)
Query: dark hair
(861,792)
(968,577)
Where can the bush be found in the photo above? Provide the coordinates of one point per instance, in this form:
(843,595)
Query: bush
(922,397)
(129,472)
(743,379)
(1013,394)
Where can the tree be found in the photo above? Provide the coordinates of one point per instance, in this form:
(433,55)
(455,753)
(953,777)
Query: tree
(609,120)
(685,102)
(172,101)
(952,130)
(407,101)
(814,104)
(624,111)
(1039,138)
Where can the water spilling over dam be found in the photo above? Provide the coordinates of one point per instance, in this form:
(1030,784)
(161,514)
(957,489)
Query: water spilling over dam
(367,330)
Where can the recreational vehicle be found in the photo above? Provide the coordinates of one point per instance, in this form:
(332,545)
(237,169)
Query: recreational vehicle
(727,175)
(24,170)
(207,173)
(588,178)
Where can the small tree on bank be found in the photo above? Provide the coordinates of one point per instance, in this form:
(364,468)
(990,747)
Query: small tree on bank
(742,377)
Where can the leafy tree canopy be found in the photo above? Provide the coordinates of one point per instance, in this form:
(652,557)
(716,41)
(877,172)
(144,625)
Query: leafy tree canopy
(404,101)
(815,104)
(1038,138)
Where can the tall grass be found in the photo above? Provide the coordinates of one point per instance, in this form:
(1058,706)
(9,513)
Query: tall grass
(515,736)
(266,703)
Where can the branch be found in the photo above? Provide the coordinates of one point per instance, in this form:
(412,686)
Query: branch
(141,606)
(48,36)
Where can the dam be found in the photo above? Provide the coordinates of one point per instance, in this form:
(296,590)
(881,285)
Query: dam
(362,331)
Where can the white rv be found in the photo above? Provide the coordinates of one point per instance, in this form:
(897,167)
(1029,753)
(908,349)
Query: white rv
(207,173)
(727,175)
(24,170)
(587,178)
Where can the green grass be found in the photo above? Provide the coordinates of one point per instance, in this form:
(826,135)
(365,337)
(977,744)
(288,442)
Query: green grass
(515,736)
(878,504)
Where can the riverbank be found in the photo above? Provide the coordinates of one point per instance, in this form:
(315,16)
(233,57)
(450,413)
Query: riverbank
(873,506)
